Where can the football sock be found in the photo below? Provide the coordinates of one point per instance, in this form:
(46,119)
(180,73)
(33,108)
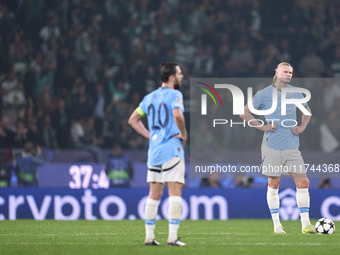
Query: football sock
(274,204)
(151,209)
(175,210)
(303,202)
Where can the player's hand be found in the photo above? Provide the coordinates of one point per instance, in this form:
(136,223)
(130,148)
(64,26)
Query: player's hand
(298,130)
(183,138)
(269,127)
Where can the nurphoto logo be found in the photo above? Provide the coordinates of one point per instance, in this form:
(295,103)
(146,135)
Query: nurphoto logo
(239,99)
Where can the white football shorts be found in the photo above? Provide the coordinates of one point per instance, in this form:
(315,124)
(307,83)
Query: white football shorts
(277,162)
(171,171)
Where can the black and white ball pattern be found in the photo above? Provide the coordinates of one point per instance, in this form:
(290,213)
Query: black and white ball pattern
(325,226)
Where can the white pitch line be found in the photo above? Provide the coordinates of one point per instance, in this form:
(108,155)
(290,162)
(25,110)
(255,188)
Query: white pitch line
(238,234)
(67,234)
(250,244)
(57,243)
(135,244)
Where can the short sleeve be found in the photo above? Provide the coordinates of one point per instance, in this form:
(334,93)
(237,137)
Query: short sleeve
(258,99)
(177,101)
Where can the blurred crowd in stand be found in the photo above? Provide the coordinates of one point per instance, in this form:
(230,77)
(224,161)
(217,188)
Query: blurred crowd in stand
(72,71)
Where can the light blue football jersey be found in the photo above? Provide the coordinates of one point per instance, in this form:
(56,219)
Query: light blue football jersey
(158,106)
(283,138)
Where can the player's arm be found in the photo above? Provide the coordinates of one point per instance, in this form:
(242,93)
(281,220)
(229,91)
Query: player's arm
(305,120)
(38,159)
(180,121)
(247,117)
(136,123)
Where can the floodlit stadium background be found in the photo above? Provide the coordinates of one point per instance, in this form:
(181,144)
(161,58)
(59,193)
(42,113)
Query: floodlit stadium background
(60,56)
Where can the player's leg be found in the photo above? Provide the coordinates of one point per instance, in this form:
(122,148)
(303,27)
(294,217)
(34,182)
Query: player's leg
(271,165)
(303,201)
(154,178)
(273,202)
(174,171)
(175,211)
(298,172)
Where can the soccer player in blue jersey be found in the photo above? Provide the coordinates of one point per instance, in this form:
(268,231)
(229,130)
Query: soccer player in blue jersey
(167,136)
(280,147)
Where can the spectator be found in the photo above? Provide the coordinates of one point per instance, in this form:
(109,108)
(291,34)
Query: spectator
(222,60)
(6,168)
(120,43)
(81,103)
(18,51)
(256,17)
(93,62)
(50,30)
(151,81)
(101,101)
(121,92)
(22,135)
(46,102)
(335,65)
(331,94)
(13,98)
(31,122)
(26,168)
(111,12)
(325,182)
(242,59)
(67,69)
(61,122)
(77,133)
(6,134)
(119,169)
(204,62)
(311,65)
(35,75)
(114,51)
(206,143)
(212,181)
(244,181)
(48,135)
(127,138)
(272,56)
(92,141)
(111,125)
(285,51)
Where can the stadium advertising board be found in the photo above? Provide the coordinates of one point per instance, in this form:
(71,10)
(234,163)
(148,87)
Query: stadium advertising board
(118,204)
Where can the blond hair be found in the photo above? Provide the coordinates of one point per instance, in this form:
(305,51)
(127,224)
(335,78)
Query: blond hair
(279,65)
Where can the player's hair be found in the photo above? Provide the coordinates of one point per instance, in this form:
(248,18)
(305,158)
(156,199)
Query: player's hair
(166,70)
(281,64)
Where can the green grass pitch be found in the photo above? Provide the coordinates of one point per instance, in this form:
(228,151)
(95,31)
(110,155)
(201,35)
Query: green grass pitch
(26,237)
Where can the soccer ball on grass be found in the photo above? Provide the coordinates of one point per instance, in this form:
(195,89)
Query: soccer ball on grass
(325,226)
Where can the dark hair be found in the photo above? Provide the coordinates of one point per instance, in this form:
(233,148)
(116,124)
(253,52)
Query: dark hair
(166,69)
(29,147)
